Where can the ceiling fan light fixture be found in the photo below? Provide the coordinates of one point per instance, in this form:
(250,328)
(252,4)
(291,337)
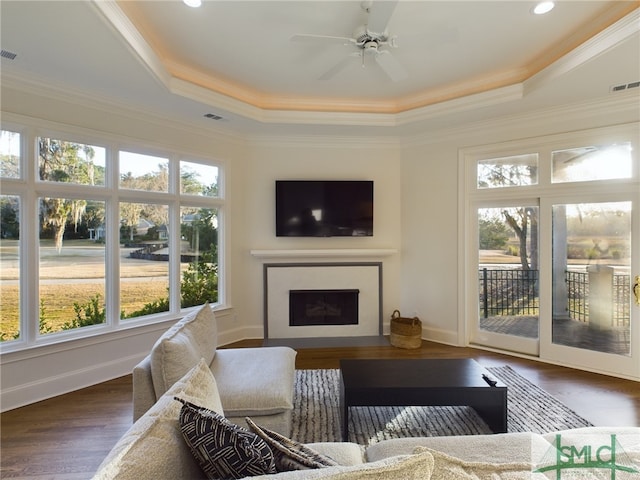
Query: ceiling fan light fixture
(192,3)
(543,7)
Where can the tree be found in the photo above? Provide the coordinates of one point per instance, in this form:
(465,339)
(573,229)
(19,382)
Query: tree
(129,217)
(131,213)
(67,162)
(522,220)
(9,222)
(201,233)
(493,234)
(513,172)
(10,158)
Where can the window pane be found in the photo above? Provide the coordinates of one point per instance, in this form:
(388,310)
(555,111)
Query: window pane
(508,270)
(198,179)
(514,171)
(9,268)
(592,276)
(199,256)
(69,162)
(9,154)
(599,162)
(144,172)
(144,259)
(72,266)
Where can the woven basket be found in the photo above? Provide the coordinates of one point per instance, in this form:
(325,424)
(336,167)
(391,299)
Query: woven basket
(405,332)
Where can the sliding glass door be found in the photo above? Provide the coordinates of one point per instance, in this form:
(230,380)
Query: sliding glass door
(553,250)
(508,277)
(594,315)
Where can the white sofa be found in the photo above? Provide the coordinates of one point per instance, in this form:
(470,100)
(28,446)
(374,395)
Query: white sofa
(154,448)
(256,382)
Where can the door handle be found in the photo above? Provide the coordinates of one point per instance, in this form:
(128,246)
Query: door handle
(636,289)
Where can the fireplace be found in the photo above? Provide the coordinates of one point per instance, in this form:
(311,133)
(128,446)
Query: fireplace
(358,316)
(323,307)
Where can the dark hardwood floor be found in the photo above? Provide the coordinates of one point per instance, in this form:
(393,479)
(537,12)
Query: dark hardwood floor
(68,436)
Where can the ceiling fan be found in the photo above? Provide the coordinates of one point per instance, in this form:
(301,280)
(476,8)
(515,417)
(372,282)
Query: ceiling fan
(370,39)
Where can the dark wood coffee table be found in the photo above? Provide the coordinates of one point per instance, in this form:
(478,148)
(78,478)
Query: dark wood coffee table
(422,382)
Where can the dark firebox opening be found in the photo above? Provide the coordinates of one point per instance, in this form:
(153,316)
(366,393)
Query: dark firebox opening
(323,307)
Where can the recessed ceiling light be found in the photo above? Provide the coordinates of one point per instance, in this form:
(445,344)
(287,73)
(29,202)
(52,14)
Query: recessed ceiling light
(543,7)
(193,3)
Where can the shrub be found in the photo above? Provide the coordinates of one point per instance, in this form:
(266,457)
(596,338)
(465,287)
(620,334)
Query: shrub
(157,306)
(91,313)
(199,284)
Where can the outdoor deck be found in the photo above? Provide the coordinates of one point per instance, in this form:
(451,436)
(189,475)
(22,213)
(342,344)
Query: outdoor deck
(565,332)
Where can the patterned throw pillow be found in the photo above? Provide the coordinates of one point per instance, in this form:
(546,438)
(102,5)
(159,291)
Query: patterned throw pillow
(222,449)
(289,454)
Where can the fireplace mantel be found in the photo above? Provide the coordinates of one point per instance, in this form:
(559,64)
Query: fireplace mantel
(325,253)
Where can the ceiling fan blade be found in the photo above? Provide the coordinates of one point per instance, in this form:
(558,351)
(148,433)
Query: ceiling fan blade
(391,66)
(380,13)
(304,38)
(338,67)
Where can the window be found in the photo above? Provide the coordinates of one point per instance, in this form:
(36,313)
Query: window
(198,179)
(144,259)
(513,171)
(9,154)
(120,236)
(144,172)
(10,267)
(595,162)
(70,162)
(550,263)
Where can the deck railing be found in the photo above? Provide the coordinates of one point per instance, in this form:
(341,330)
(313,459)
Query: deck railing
(515,292)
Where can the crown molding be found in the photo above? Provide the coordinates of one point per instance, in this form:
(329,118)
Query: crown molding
(325,141)
(90,100)
(464,104)
(623,105)
(600,43)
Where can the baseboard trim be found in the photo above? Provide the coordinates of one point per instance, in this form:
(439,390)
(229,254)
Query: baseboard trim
(29,393)
(447,337)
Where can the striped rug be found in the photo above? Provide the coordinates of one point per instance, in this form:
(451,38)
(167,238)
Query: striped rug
(316,412)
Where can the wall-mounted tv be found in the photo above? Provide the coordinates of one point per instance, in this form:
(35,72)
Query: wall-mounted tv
(324,208)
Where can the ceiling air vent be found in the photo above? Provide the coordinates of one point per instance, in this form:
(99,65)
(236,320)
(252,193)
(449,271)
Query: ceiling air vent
(625,86)
(7,54)
(212,116)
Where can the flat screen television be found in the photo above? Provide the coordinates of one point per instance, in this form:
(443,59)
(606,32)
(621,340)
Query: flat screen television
(324,208)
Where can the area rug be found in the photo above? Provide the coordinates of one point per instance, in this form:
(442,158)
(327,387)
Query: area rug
(316,415)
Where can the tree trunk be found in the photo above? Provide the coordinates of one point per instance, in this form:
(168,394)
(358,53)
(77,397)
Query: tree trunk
(58,235)
(521,232)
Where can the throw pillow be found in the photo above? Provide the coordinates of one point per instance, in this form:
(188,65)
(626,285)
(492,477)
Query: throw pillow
(222,449)
(289,454)
(180,348)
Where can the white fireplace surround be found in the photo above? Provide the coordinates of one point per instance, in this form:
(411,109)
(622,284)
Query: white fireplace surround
(280,278)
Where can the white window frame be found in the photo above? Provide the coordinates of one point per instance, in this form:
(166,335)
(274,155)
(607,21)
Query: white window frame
(471,197)
(28,188)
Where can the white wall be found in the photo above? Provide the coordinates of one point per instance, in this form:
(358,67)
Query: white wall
(326,158)
(429,238)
